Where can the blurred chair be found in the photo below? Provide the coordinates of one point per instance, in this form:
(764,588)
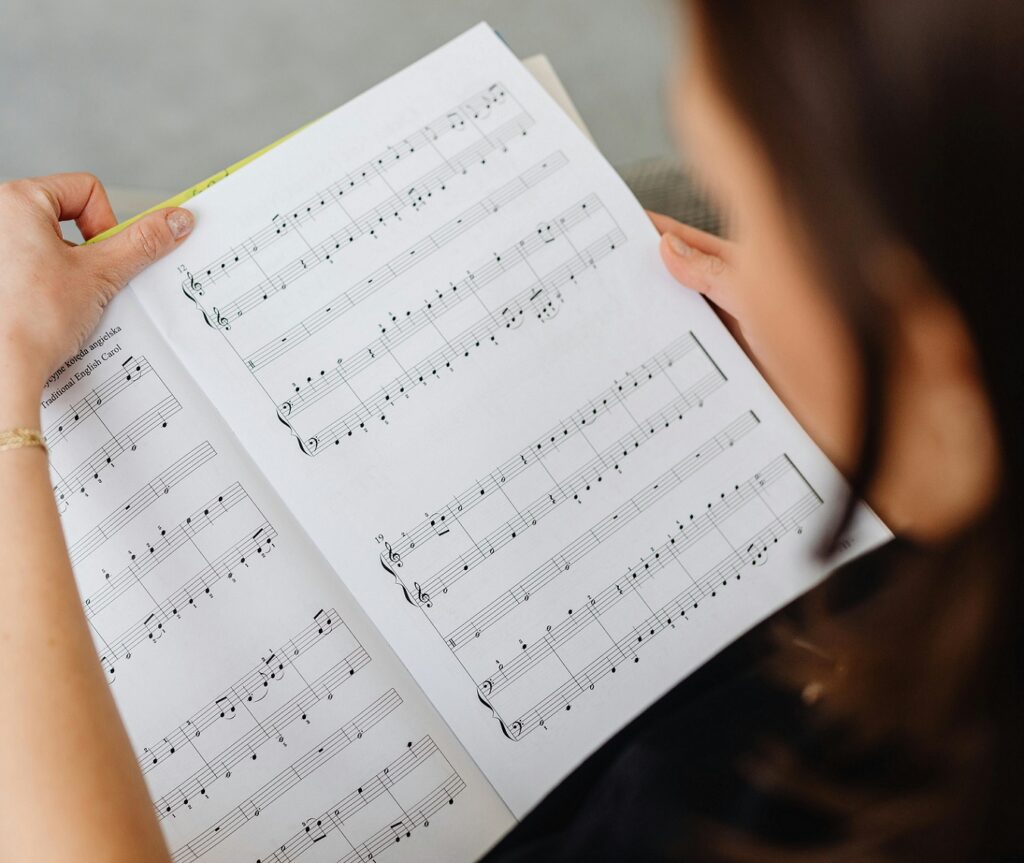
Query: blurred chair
(663,186)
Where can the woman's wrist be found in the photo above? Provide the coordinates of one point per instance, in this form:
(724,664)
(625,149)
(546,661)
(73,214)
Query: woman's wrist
(19,412)
(19,395)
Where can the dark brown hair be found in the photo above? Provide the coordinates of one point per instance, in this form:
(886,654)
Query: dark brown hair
(904,120)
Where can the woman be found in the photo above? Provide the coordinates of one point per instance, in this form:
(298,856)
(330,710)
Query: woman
(865,152)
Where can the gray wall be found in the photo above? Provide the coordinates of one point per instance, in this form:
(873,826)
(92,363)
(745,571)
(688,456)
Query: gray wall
(157,95)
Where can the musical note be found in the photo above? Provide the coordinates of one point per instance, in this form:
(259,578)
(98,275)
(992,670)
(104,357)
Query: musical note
(159,486)
(404,326)
(274,789)
(406,767)
(245,748)
(171,540)
(78,478)
(151,628)
(571,488)
(484,331)
(564,432)
(367,224)
(133,371)
(591,539)
(690,534)
(307,209)
(339,305)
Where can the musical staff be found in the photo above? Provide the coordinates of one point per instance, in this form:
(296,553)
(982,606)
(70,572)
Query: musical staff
(147,495)
(415,757)
(162,405)
(126,440)
(401,263)
(563,432)
(347,734)
(688,535)
(271,728)
(426,808)
(161,549)
(541,301)
(131,372)
(426,138)
(624,650)
(245,690)
(570,488)
(403,326)
(254,545)
(366,225)
(590,540)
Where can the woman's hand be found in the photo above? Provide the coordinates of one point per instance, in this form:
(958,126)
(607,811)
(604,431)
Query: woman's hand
(785,324)
(53,292)
(703,262)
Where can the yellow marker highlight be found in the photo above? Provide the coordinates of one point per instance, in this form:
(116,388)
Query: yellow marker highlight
(185,196)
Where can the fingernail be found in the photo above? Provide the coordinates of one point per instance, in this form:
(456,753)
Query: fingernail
(678,246)
(180,222)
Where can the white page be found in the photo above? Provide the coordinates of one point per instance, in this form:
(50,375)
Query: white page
(438,321)
(258,697)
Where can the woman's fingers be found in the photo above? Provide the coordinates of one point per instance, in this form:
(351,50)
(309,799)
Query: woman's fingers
(702,261)
(695,269)
(115,260)
(699,260)
(78,196)
(705,273)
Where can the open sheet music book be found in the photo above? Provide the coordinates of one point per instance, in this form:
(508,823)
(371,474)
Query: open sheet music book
(411,477)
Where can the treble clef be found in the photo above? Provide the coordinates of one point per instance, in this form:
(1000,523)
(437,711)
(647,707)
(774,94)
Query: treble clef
(189,290)
(392,555)
(215,320)
(422,595)
(222,321)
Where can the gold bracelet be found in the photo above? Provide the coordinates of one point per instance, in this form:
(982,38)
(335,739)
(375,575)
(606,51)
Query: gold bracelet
(20,438)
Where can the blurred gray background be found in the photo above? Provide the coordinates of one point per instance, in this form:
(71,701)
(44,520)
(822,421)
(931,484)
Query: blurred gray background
(155,96)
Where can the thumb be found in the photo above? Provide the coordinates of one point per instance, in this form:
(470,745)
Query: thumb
(704,272)
(119,258)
